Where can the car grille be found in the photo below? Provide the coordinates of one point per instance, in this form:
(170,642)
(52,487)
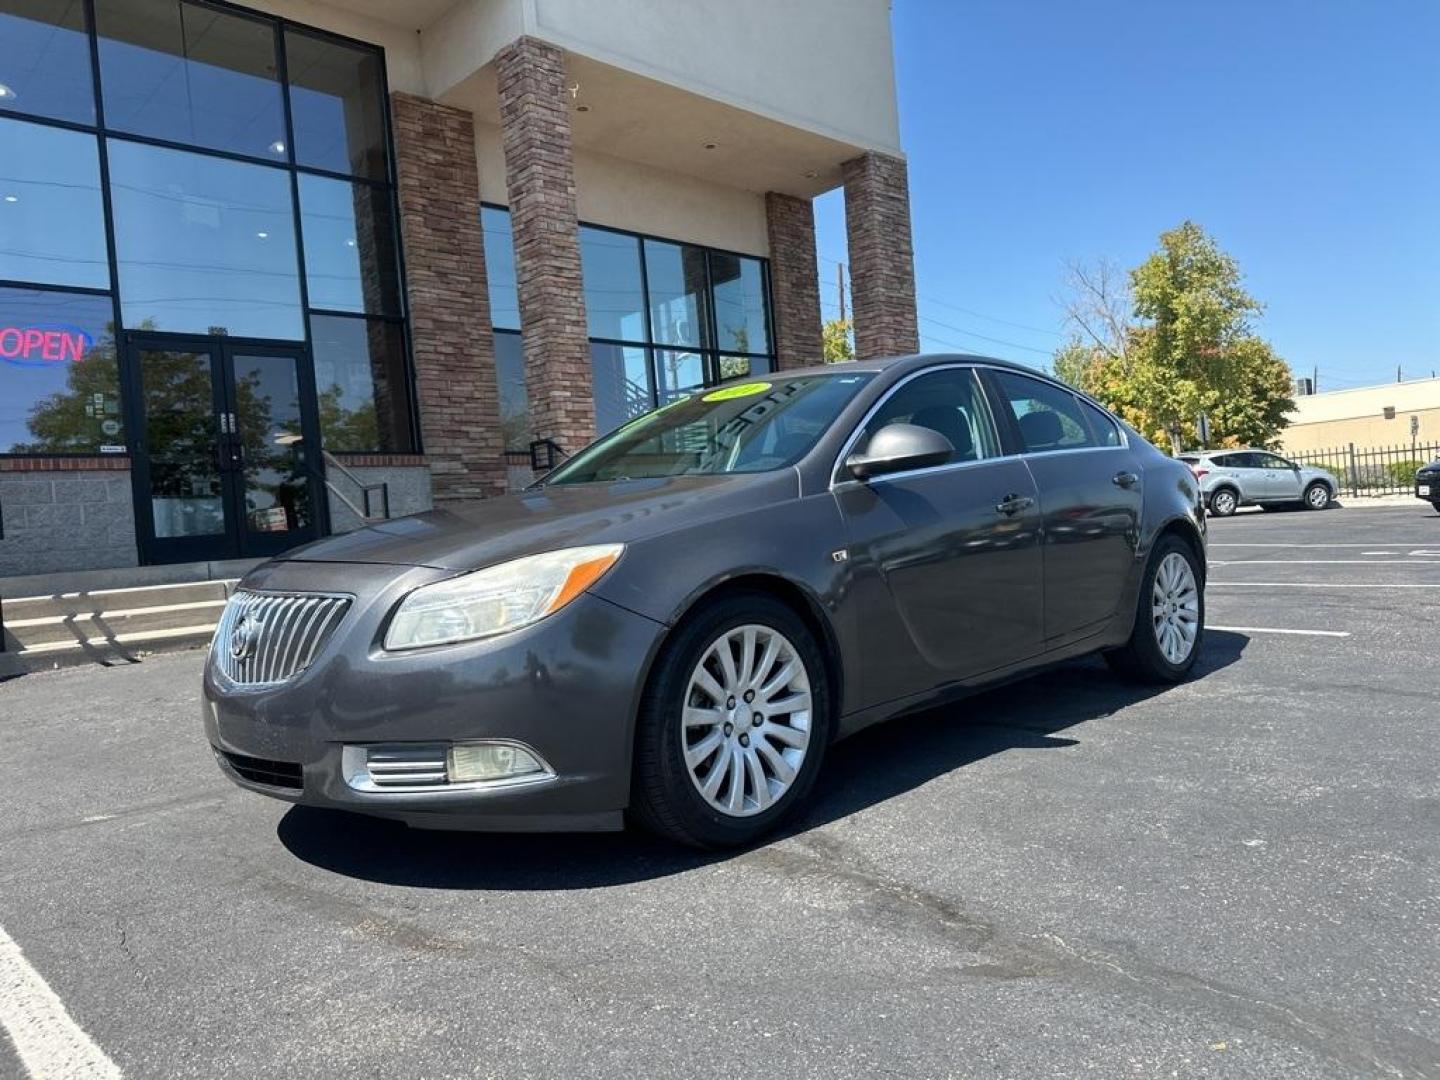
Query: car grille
(281,774)
(267,638)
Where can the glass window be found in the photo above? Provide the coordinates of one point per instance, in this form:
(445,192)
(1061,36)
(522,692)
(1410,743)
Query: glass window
(677,373)
(1103,426)
(500,268)
(614,289)
(948,401)
(191,74)
(514,398)
(741,323)
(52,224)
(59,384)
(770,428)
(204,245)
(1048,416)
(337,105)
(361,384)
(350,257)
(45,61)
(678,310)
(621,377)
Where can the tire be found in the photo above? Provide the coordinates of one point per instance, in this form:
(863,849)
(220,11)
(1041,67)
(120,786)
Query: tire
(1224,502)
(1317,496)
(667,792)
(1144,658)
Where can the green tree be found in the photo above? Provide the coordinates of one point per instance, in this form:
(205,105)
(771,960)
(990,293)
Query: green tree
(1172,340)
(836,343)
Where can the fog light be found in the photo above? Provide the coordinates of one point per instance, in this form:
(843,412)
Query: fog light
(467,763)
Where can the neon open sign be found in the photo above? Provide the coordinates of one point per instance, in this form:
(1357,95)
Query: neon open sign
(43,345)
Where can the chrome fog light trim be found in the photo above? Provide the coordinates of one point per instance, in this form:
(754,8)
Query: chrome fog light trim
(400,768)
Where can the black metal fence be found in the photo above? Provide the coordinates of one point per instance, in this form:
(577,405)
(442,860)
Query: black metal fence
(1372,470)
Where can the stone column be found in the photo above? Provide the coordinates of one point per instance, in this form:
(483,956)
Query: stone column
(540,178)
(451,338)
(882,260)
(794,280)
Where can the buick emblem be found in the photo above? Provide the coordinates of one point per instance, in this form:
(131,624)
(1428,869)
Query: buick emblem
(243,637)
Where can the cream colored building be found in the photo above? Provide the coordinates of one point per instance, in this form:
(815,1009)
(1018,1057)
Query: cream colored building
(1368,416)
(451,237)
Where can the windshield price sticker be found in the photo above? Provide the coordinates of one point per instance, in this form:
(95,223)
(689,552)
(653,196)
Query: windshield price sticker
(749,389)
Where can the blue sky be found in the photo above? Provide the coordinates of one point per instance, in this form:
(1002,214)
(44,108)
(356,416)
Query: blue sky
(1303,134)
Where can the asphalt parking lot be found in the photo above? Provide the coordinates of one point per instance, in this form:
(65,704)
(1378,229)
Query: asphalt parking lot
(1237,877)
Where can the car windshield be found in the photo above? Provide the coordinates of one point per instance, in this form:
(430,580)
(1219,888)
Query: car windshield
(746,427)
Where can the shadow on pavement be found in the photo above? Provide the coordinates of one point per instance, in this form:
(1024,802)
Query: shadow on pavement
(859,772)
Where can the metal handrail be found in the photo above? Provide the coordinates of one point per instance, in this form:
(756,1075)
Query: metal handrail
(365,514)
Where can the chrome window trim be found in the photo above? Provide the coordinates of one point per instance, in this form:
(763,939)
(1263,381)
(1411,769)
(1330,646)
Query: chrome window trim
(837,480)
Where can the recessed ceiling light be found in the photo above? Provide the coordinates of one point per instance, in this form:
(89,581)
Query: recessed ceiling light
(711,145)
(12,198)
(349,243)
(6,92)
(582,108)
(262,235)
(277,147)
(811,175)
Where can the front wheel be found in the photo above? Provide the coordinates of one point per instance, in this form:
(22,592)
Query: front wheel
(1170,620)
(733,724)
(1317,496)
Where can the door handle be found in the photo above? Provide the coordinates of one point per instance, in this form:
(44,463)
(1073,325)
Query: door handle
(1013,504)
(1125,479)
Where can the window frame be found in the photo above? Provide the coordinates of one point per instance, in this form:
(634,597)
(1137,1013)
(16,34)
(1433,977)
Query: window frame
(711,355)
(103,134)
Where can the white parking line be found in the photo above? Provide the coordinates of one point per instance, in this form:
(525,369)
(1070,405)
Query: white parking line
(50,1044)
(1317,585)
(1250,545)
(1324,562)
(1278,630)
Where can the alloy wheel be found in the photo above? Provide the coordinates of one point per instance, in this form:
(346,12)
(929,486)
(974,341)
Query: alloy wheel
(1175,608)
(1318,496)
(746,720)
(1223,503)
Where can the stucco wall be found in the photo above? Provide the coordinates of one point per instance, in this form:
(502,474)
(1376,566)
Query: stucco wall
(1340,417)
(626,195)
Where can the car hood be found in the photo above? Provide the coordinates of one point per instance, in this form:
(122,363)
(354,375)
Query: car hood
(467,536)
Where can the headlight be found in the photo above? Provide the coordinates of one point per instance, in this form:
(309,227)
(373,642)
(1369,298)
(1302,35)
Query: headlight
(498,599)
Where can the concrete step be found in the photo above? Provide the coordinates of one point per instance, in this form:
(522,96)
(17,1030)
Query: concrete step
(116,621)
(127,623)
(20,609)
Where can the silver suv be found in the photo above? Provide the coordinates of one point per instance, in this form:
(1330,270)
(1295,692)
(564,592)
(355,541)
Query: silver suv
(1235,478)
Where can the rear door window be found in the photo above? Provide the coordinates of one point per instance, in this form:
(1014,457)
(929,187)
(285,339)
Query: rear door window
(1048,417)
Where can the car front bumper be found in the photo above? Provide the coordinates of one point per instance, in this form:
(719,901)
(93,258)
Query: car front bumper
(566,688)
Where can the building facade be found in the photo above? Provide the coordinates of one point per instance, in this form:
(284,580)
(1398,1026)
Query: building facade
(265,268)
(1385,415)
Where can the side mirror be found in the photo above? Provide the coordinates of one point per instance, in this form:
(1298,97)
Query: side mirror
(899,448)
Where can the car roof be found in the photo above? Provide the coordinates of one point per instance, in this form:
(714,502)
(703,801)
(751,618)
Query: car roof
(911,361)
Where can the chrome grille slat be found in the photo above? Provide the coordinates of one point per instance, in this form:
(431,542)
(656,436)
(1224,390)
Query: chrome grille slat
(289,630)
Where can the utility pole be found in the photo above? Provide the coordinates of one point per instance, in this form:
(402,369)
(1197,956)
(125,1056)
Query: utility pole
(1397,374)
(840,287)
(1315,379)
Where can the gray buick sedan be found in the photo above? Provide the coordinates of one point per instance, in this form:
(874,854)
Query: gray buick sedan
(677,622)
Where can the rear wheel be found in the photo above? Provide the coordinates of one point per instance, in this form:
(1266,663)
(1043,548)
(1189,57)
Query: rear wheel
(1223,502)
(733,725)
(1170,620)
(1317,496)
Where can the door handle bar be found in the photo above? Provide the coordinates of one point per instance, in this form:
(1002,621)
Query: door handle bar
(1125,479)
(1013,504)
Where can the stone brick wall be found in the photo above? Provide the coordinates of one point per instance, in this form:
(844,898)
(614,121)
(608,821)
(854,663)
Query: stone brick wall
(452,342)
(882,259)
(794,279)
(540,177)
(55,520)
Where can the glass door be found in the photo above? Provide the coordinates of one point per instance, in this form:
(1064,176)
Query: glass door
(227,462)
